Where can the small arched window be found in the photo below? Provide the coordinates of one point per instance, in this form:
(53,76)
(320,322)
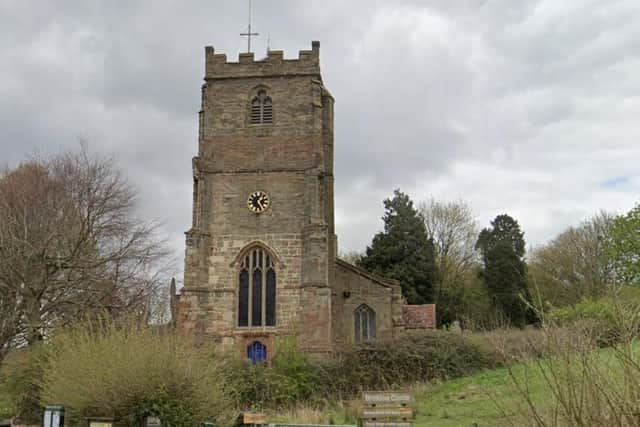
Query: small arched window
(364,324)
(257,289)
(257,352)
(261,109)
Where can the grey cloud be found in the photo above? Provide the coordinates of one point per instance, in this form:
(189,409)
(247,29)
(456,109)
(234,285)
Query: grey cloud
(523,107)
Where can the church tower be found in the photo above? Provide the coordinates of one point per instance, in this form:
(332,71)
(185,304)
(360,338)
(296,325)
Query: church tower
(260,255)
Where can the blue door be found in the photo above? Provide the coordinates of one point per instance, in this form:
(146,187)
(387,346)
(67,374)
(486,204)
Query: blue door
(257,352)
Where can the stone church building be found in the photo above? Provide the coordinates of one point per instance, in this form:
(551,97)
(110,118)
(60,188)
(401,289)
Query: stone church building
(261,253)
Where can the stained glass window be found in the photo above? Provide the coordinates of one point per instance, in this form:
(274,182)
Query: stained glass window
(257,352)
(256,300)
(257,290)
(243,297)
(271,298)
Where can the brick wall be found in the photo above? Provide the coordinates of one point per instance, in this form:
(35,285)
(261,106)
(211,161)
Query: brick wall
(419,316)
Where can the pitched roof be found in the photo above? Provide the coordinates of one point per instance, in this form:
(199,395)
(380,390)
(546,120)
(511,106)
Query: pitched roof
(388,283)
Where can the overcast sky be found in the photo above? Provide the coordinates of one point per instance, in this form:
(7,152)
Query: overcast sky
(530,108)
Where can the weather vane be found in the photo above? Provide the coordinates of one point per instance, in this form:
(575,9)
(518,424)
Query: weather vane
(249,34)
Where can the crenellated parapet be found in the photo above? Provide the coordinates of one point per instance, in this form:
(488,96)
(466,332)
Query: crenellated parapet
(217,66)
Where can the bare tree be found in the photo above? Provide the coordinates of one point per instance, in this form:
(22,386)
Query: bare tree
(71,245)
(351,257)
(454,231)
(574,264)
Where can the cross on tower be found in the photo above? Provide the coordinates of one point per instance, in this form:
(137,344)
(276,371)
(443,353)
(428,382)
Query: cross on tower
(249,34)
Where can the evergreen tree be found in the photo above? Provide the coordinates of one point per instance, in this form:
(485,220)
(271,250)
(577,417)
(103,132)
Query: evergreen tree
(403,251)
(504,271)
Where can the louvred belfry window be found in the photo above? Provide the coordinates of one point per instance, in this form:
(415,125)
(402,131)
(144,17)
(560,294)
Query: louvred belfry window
(261,109)
(257,290)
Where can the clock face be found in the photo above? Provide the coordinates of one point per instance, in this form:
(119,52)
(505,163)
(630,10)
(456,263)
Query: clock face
(258,201)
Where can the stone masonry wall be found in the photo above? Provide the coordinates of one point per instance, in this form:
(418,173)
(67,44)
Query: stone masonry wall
(213,310)
(291,160)
(354,287)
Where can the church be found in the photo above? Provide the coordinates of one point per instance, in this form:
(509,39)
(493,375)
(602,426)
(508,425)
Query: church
(261,254)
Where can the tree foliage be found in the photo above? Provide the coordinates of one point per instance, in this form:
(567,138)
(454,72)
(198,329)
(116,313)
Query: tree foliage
(624,247)
(575,265)
(453,230)
(71,246)
(504,270)
(403,251)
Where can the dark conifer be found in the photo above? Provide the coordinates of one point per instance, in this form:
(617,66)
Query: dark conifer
(403,251)
(504,270)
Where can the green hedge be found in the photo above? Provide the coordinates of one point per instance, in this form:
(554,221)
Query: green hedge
(293,377)
(410,359)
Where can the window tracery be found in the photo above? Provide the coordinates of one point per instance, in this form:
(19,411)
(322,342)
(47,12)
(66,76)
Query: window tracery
(257,289)
(364,324)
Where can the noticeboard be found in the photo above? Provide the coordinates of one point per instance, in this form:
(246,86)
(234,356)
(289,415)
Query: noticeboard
(253,418)
(386,424)
(400,414)
(387,409)
(387,398)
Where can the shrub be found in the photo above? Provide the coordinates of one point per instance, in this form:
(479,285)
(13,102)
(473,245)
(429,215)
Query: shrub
(24,370)
(584,387)
(7,409)
(290,378)
(413,358)
(600,310)
(293,378)
(508,345)
(129,373)
(608,320)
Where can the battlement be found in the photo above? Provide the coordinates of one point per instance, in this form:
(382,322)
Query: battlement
(217,66)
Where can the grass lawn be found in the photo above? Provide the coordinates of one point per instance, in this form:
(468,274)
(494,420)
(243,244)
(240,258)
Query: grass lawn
(454,403)
(482,398)
(488,398)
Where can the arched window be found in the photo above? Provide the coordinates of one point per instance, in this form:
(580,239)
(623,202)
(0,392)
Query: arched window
(364,324)
(261,109)
(257,289)
(257,352)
